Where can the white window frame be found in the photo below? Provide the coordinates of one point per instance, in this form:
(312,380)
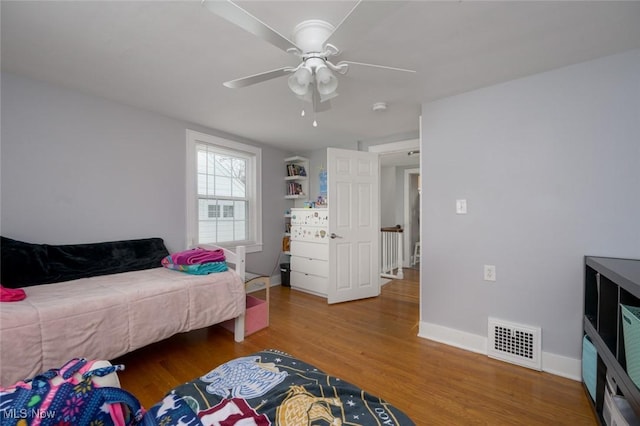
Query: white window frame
(253,186)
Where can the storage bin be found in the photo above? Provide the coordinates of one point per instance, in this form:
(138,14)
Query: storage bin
(616,410)
(256,316)
(589,366)
(631,330)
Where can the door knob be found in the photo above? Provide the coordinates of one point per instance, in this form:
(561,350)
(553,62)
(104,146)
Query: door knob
(333,235)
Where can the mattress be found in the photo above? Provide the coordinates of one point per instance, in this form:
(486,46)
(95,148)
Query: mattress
(107,316)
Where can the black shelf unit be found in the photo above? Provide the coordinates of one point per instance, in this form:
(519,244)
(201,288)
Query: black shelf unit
(610,282)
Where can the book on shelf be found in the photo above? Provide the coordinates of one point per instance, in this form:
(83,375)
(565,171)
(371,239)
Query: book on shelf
(296,170)
(294,188)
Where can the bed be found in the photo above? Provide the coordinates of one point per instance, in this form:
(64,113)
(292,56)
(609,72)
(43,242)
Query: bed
(107,315)
(272,387)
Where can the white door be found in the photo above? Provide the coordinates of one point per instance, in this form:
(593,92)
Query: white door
(354,207)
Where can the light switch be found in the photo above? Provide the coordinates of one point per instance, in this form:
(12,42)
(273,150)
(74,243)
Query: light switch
(461,206)
(489,272)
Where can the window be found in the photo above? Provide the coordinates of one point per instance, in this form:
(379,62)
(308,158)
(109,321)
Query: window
(223,198)
(214,210)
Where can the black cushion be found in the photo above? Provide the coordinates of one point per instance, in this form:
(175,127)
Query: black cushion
(25,264)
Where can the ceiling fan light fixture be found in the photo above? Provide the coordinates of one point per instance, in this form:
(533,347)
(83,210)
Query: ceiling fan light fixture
(324,98)
(307,97)
(299,81)
(326,81)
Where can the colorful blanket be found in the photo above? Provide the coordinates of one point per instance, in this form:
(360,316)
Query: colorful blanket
(272,387)
(196,261)
(196,256)
(199,269)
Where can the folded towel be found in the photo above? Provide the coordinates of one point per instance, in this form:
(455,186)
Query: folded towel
(11,294)
(196,256)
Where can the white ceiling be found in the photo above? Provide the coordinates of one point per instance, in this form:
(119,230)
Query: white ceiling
(172,58)
(400,159)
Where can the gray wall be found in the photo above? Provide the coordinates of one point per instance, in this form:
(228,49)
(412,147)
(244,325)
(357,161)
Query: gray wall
(78,168)
(414,212)
(318,161)
(550,168)
(388,191)
(399,192)
(412,230)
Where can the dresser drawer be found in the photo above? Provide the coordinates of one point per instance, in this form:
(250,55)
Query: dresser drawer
(309,283)
(312,234)
(310,266)
(310,217)
(310,250)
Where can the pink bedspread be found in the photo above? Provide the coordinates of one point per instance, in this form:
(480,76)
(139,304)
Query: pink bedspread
(107,316)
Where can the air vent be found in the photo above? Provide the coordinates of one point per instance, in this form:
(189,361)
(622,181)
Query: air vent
(515,343)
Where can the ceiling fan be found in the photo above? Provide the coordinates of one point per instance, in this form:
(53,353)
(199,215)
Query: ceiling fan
(314,42)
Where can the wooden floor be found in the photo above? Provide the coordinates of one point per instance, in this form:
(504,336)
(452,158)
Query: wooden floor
(372,343)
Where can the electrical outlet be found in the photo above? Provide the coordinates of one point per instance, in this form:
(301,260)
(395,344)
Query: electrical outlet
(489,272)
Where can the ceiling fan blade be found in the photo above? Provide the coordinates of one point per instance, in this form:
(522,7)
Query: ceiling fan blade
(364,16)
(257,78)
(245,20)
(320,105)
(374,66)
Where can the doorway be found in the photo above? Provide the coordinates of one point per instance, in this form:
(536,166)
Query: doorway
(399,174)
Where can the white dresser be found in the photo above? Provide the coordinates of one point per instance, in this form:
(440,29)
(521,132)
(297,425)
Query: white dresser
(310,250)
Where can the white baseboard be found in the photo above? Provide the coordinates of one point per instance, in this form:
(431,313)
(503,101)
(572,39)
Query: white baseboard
(563,366)
(276,279)
(558,365)
(453,337)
